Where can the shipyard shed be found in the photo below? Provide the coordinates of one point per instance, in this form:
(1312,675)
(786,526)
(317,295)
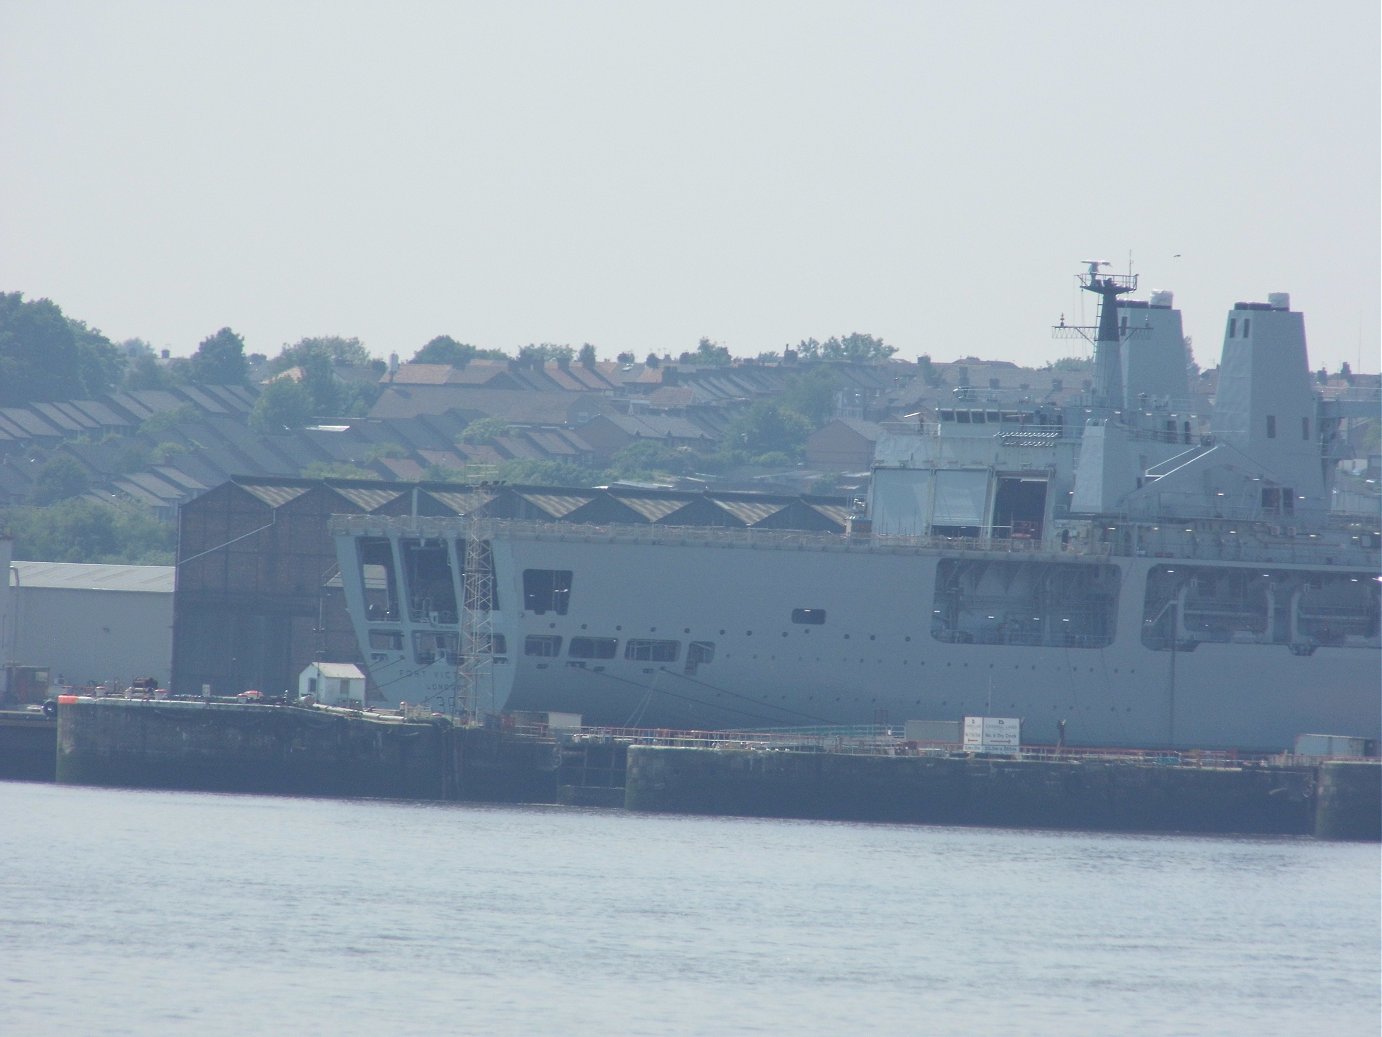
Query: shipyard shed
(89,623)
(333,684)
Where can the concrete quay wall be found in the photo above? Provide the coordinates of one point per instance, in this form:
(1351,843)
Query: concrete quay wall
(244,748)
(1075,794)
(28,744)
(283,750)
(1348,800)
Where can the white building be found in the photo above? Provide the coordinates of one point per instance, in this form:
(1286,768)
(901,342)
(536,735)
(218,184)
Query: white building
(333,684)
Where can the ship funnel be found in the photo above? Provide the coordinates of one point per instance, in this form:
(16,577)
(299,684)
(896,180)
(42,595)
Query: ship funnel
(1279,300)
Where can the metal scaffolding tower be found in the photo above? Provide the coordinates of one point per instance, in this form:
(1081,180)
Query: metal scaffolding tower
(475,672)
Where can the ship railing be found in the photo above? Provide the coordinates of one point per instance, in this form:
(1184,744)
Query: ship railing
(765,538)
(1196,441)
(1155,540)
(883,740)
(719,536)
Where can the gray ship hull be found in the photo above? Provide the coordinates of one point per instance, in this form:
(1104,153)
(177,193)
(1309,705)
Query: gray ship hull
(877,659)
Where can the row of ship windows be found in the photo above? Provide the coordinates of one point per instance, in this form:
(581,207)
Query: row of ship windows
(638,649)
(430,646)
(549,590)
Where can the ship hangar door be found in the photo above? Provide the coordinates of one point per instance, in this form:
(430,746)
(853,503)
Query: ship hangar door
(1019,507)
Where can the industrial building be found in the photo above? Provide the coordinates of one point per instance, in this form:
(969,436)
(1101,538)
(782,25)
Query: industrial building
(83,623)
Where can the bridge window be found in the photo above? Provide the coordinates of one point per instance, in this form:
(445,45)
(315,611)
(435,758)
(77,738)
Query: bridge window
(648,650)
(811,617)
(547,590)
(546,646)
(592,647)
(431,646)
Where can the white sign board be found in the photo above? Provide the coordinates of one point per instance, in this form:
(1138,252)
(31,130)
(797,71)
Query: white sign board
(993,734)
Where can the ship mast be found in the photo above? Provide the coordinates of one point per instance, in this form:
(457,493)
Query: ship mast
(1107,336)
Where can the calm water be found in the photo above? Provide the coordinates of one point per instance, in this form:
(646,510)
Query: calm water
(152,912)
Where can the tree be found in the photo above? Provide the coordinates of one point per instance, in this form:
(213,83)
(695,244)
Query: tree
(709,354)
(625,358)
(765,428)
(860,348)
(811,395)
(100,363)
(58,479)
(161,422)
(645,458)
(39,359)
(483,429)
(220,360)
(442,473)
(331,348)
(284,404)
(144,372)
(538,354)
(547,473)
(382,450)
(586,358)
(446,350)
(336,470)
(319,381)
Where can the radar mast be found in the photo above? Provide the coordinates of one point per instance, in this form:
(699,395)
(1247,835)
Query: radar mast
(1107,337)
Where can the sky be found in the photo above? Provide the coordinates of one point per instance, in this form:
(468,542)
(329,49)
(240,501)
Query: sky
(641,175)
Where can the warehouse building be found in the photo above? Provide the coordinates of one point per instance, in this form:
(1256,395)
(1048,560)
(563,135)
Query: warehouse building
(85,623)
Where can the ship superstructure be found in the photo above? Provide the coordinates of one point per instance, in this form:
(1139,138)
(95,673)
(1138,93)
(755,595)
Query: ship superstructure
(1148,575)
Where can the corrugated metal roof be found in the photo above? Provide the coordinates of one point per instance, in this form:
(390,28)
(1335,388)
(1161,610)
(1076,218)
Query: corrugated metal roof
(367,499)
(652,508)
(151,579)
(557,505)
(273,496)
(835,512)
(461,503)
(751,511)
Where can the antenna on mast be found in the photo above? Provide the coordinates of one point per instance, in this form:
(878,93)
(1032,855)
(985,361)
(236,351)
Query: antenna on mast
(1107,336)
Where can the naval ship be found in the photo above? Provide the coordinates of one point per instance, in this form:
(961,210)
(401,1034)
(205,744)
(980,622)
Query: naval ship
(1116,571)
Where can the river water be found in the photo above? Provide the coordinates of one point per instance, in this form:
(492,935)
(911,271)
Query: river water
(130,912)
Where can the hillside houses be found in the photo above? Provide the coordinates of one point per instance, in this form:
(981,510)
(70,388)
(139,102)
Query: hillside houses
(159,448)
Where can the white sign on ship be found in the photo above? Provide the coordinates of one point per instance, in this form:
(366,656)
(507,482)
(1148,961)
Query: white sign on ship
(993,734)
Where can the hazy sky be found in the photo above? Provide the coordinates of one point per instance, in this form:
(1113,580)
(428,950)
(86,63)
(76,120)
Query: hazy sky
(639,175)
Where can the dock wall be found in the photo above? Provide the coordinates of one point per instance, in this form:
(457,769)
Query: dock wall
(1084,794)
(28,746)
(228,747)
(286,750)
(244,748)
(1349,801)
